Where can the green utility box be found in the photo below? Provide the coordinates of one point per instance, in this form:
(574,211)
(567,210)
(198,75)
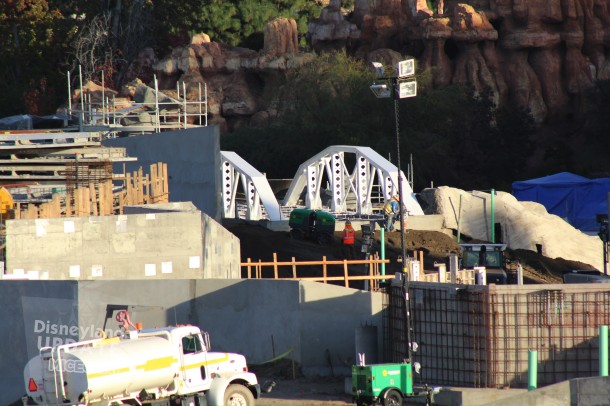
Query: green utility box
(387,384)
(315,225)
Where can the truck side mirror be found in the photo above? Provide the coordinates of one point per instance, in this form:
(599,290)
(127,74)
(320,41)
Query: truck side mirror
(206,340)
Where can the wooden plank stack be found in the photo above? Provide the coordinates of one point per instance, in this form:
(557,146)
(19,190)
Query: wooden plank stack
(103,198)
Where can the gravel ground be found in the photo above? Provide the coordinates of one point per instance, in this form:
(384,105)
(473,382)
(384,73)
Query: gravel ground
(305,391)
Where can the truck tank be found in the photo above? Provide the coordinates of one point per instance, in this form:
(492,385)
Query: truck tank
(109,369)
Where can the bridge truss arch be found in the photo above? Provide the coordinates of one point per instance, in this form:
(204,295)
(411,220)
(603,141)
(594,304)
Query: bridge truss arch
(260,202)
(358,179)
(345,180)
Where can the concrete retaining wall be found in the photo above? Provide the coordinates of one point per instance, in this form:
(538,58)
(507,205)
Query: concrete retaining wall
(314,323)
(160,245)
(193,163)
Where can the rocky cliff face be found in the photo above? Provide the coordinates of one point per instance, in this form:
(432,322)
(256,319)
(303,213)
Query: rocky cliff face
(537,54)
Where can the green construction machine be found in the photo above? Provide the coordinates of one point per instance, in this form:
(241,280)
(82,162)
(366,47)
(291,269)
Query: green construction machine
(389,384)
(314,225)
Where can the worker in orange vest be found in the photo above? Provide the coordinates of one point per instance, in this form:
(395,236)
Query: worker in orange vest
(349,238)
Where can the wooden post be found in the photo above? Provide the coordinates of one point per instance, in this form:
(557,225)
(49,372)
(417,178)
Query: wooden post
(32,211)
(372,281)
(147,195)
(76,211)
(121,201)
(69,203)
(249,270)
(259,270)
(421,262)
(345,273)
(44,211)
(110,197)
(56,203)
(141,186)
(128,189)
(324,274)
(165,185)
(102,199)
(93,197)
(294,268)
(154,187)
(86,199)
(275,272)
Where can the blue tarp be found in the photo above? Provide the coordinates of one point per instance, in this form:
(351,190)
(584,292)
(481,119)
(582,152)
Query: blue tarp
(574,198)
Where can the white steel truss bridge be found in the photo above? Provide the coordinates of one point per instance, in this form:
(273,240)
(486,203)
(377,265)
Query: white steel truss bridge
(348,181)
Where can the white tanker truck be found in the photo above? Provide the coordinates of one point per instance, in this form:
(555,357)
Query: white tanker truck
(157,367)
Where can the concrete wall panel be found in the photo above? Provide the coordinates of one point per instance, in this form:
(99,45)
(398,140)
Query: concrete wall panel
(156,245)
(193,163)
(161,245)
(221,251)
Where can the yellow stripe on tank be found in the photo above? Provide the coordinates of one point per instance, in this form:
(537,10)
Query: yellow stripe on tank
(106,373)
(225,358)
(157,363)
(149,365)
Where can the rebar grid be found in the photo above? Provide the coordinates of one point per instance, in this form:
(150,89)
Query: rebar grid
(81,174)
(478,337)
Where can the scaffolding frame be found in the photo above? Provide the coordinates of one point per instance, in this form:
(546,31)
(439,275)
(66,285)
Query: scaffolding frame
(116,116)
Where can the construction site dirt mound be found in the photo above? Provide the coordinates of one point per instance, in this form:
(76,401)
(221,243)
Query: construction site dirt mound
(259,243)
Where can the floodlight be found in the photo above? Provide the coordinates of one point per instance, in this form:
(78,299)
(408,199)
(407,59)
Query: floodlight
(378,66)
(381,91)
(406,89)
(406,68)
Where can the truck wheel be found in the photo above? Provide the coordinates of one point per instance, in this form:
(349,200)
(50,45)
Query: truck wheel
(392,398)
(238,395)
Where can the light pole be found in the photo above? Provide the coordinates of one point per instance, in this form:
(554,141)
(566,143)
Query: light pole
(399,87)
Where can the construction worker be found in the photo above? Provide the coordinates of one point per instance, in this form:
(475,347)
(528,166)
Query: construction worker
(349,238)
(391,209)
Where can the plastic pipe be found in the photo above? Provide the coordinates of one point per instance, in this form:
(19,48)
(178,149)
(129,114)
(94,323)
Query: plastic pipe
(603,350)
(382,236)
(493,217)
(532,369)
(459,219)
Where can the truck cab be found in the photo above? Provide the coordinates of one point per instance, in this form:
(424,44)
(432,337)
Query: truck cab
(198,364)
(487,255)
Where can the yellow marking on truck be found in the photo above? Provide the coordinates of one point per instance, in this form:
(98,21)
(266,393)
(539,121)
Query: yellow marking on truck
(225,358)
(108,341)
(149,365)
(109,372)
(157,363)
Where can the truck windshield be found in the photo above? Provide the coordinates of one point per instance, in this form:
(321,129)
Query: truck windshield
(489,259)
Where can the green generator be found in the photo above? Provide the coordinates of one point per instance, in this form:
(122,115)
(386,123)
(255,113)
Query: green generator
(386,384)
(314,225)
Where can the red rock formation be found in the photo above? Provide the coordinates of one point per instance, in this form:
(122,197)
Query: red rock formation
(538,54)
(281,37)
